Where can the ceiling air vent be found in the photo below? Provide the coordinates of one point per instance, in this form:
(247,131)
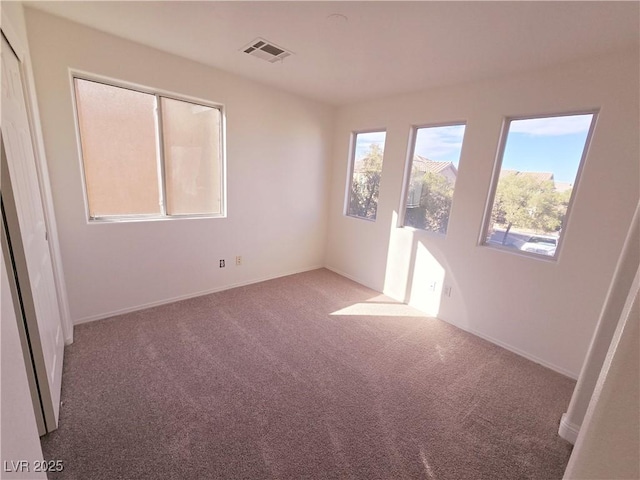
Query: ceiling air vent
(265,50)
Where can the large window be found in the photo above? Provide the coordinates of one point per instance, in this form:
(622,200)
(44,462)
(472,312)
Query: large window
(432,173)
(534,186)
(147,155)
(365,172)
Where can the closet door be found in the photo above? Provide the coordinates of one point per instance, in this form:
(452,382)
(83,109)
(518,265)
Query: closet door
(23,209)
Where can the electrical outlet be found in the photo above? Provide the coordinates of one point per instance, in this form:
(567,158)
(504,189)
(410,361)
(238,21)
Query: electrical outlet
(238,260)
(447,290)
(221,263)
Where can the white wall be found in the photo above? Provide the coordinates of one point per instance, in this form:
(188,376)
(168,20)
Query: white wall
(277,158)
(608,445)
(544,310)
(609,319)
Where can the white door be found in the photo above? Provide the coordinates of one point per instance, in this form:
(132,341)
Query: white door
(38,288)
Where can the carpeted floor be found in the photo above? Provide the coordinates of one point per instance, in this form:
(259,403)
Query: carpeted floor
(307,376)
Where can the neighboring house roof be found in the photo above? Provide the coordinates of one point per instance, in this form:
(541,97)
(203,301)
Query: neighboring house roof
(540,176)
(423,164)
(563,186)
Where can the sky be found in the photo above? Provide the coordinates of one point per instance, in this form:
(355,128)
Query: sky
(365,140)
(440,144)
(550,144)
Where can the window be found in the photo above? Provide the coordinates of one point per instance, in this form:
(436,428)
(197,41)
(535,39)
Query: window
(365,172)
(432,173)
(148,155)
(541,158)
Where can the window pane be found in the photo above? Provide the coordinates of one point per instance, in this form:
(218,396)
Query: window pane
(192,157)
(432,180)
(540,164)
(366,172)
(118,137)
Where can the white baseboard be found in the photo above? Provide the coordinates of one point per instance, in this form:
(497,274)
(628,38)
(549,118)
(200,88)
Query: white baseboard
(351,277)
(102,316)
(567,430)
(522,353)
(506,346)
(488,338)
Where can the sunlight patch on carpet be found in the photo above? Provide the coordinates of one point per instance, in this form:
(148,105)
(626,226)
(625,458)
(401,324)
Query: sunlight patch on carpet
(379,310)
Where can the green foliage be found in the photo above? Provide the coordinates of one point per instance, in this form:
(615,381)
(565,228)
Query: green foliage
(522,201)
(365,185)
(564,198)
(432,212)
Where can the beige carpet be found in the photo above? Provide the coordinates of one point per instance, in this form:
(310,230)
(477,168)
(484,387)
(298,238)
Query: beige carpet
(307,376)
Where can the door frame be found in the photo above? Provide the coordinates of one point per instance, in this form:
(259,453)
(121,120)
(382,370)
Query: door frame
(33,115)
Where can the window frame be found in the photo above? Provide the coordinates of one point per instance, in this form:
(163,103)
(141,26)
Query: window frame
(351,165)
(495,177)
(406,180)
(159,141)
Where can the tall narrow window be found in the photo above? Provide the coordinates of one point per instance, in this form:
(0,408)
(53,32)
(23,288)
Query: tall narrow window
(540,161)
(138,163)
(365,174)
(433,169)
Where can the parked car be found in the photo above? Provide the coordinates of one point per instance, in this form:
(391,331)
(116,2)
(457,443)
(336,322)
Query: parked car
(541,244)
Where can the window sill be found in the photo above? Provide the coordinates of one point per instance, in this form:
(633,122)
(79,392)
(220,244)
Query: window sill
(150,218)
(522,253)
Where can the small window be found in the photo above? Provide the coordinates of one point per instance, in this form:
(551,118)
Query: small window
(432,173)
(365,172)
(540,162)
(146,155)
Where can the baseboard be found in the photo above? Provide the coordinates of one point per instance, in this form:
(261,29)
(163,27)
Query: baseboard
(144,306)
(522,353)
(488,338)
(351,277)
(567,430)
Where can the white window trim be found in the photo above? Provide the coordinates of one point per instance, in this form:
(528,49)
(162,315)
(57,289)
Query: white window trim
(351,166)
(157,93)
(411,148)
(495,177)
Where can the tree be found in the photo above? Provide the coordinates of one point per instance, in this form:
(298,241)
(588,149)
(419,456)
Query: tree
(436,194)
(525,202)
(564,198)
(365,184)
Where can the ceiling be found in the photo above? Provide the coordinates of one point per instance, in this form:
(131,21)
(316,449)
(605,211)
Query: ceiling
(380,48)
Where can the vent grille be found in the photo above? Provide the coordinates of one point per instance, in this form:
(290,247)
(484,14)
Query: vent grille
(266,50)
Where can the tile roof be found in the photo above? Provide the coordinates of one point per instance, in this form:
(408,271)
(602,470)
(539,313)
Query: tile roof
(540,176)
(423,164)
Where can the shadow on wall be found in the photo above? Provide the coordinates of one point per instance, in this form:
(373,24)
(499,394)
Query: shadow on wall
(419,275)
